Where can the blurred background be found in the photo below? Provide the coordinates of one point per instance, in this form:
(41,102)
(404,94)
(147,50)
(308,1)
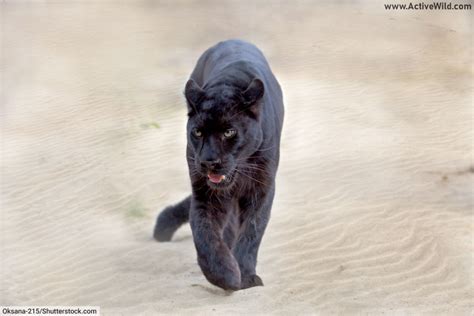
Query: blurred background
(373,211)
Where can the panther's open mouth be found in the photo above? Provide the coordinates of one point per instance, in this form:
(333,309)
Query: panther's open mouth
(215,178)
(220,181)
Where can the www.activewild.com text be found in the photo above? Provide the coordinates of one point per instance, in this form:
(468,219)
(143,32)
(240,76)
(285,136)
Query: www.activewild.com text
(430,6)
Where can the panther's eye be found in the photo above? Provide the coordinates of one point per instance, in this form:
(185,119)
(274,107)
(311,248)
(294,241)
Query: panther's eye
(197,132)
(230,133)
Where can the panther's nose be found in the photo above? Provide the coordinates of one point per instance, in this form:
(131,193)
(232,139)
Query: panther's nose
(211,164)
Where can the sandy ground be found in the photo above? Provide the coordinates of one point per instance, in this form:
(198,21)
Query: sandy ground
(374,209)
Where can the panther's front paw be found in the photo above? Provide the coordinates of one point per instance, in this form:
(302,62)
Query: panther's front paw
(251,281)
(224,273)
(231,282)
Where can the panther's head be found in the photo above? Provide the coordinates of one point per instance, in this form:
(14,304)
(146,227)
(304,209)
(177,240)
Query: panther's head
(223,130)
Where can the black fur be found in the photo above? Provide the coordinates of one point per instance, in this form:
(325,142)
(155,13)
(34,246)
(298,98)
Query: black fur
(235,117)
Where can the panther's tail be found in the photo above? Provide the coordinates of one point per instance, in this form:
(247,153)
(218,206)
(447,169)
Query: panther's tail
(170,219)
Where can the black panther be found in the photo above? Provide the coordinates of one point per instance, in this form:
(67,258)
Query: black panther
(235,118)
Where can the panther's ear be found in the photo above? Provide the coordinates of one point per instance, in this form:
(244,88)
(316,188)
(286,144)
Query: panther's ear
(193,93)
(252,95)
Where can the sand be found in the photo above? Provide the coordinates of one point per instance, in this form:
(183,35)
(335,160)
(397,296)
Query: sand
(373,212)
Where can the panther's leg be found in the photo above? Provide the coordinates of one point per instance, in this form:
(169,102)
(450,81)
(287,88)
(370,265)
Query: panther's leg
(230,230)
(254,222)
(214,256)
